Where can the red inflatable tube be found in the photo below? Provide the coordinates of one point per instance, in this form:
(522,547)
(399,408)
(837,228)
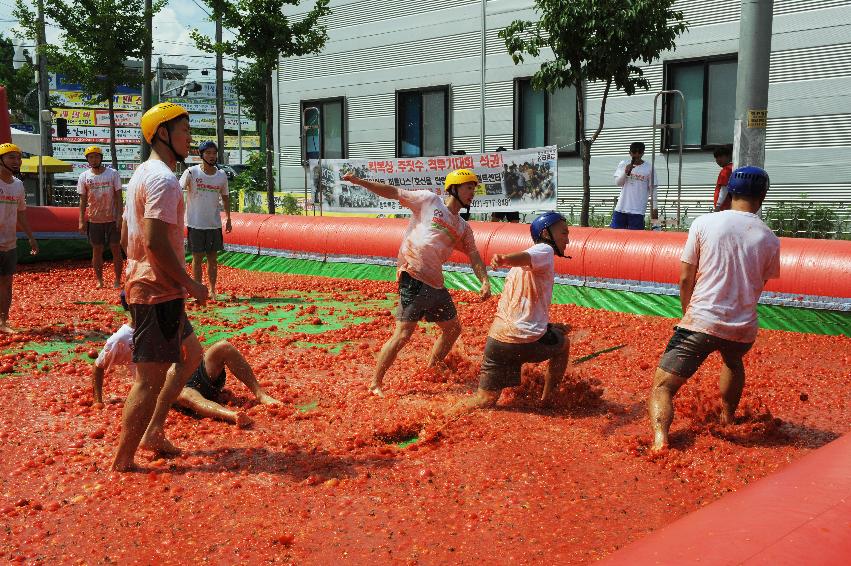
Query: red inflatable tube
(799,515)
(808,267)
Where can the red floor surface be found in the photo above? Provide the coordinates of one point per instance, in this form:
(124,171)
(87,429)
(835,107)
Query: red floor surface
(521,484)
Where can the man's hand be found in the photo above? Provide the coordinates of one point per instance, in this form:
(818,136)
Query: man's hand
(198,291)
(33,246)
(82,227)
(628,169)
(228,226)
(485,291)
(498,260)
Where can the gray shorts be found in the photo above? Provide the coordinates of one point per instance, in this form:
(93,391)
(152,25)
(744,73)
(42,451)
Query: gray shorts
(419,301)
(503,361)
(203,241)
(8,262)
(688,349)
(160,330)
(103,233)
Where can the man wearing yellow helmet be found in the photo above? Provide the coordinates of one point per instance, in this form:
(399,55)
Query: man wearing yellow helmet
(436,229)
(165,348)
(100,196)
(13,205)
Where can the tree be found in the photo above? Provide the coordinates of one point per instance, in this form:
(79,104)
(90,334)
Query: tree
(97,37)
(18,82)
(264,34)
(594,40)
(250,85)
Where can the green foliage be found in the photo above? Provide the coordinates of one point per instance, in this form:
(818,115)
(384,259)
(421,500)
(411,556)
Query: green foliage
(250,86)
(797,220)
(594,41)
(18,83)
(253,178)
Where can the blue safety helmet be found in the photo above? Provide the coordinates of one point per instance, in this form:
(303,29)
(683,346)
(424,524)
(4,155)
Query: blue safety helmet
(748,181)
(207,145)
(543,222)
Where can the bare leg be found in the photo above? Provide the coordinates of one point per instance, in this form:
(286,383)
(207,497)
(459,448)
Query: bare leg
(212,272)
(661,405)
(97,263)
(556,370)
(388,353)
(192,400)
(731,383)
(197,268)
(138,409)
(481,400)
(117,264)
(5,303)
(223,354)
(154,438)
(450,330)
(97,384)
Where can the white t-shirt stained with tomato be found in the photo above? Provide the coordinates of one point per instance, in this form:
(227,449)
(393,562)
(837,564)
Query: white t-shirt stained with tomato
(735,253)
(431,236)
(203,196)
(118,350)
(524,306)
(153,193)
(100,193)
(12,201)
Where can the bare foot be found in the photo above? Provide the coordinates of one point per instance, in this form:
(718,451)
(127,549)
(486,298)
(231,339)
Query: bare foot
(125,466)
(376,390)
(660,442)
(160,444)
(100,284)
(116,284)
(6,329)
(266,399)
(725,418)
(242,420)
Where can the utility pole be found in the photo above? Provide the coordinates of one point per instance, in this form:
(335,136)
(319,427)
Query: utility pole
(238,115)
(147,50)
(220,88)
(43,84)
(752,83)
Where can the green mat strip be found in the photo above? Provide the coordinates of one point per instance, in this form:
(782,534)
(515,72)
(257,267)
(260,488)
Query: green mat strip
(772,317)
(55,250)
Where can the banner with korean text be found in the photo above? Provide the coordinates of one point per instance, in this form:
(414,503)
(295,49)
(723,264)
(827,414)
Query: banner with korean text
(522,180)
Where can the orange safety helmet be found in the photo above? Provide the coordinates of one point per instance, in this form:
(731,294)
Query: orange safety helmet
(158,115)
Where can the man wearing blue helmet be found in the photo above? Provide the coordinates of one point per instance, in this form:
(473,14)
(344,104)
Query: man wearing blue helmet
(728,258)
(521,331)
(205,184)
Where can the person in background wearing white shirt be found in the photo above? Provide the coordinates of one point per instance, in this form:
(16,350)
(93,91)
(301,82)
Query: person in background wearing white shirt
(521,331)
(100,195)
(13,206)
(728,258)
(638,181)
(204,185)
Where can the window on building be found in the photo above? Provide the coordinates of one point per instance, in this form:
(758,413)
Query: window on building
(709,88)
(544,118)
(328,141)
(422,122)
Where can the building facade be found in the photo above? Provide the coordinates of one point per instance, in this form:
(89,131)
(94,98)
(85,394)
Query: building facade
(432,77)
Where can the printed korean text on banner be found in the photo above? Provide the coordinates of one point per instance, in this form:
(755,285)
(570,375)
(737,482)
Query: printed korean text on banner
(99,134)
(522,180)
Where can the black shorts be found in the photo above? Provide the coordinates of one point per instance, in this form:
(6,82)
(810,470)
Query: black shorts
(8,262)
(103,233)
(503,361)
(688,349)
(201,382)
(160,330)
(420,301)
(203,241)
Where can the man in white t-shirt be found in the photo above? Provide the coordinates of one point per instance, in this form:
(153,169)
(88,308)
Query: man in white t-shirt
(435,230)
(521,331)
(100,199)
(204,186)
(13,206)
(638,181)
(728,258)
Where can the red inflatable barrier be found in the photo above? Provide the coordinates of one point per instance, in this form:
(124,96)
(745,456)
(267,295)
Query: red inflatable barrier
(799,515)
(809,267)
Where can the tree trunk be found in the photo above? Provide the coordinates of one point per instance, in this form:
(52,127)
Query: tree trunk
(585,154)
(270,146)
(112,132)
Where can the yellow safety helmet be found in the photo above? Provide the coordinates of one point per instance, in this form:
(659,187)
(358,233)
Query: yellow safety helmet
(159,114)
(459,177)
(8,148)
(93,149)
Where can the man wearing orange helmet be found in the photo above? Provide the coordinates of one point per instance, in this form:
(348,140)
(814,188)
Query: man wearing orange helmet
(435,230)
(13,203)
(100,196)
(165,348)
